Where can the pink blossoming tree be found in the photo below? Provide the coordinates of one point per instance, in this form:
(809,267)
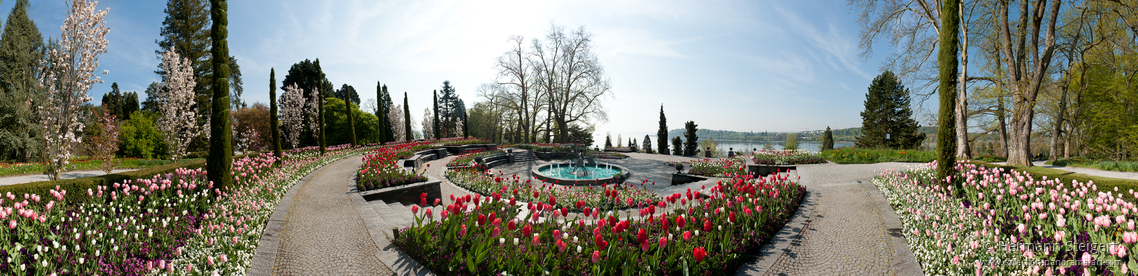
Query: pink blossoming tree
(428,126)
(177,119)
(68,73)
(397,125)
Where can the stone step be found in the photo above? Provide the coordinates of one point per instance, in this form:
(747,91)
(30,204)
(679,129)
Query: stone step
(400,214)
(386,213)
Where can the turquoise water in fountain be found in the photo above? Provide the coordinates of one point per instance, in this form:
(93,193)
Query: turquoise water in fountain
(566,172)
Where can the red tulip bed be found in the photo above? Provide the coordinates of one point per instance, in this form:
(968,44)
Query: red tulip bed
(381,169)
(575,198)
(707,232)
(1005,222)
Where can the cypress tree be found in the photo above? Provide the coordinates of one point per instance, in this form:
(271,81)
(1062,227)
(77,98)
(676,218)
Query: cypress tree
(677,146)
(387,106)
(436,121)
(348,108)
(465,126)
(828,139)
(647,144)
(946,129)
(608,140)
(691,145)
(274,120)
(318,94)
(662,134)
(407,118)
(221,144)
(381,113)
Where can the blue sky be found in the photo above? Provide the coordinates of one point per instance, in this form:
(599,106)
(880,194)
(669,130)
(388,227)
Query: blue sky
(729,65)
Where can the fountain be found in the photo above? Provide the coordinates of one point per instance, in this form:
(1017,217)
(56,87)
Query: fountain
(581,170)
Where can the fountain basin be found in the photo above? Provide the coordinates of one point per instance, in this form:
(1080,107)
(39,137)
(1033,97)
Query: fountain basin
(564,174)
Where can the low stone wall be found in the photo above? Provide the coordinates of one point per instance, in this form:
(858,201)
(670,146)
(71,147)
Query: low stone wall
(683,178)
(765,170)
(406,194)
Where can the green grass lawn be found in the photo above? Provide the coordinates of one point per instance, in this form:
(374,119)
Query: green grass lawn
(81,164)
(870,156)
(1122,166)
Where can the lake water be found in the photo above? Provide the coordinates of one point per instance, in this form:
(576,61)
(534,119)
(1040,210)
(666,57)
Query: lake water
(746,146)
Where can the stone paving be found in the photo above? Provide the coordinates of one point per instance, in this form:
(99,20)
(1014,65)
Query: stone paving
(323,233)
(850,231)
(20,179)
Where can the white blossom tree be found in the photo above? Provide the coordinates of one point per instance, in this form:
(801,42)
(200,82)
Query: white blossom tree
(428,125)
(68,73)
(177,119)
(313,112)
(395,115)
(292,113)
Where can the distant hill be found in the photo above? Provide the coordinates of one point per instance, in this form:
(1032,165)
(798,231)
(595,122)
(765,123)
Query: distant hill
(840,135)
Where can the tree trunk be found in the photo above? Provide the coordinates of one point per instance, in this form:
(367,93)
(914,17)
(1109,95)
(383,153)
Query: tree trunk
(947,60)
(963,150)
(1003,131)
(1058,129)
(1019,151)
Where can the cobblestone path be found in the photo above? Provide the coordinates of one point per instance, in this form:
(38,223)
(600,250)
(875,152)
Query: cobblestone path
(323,233)
(849,230)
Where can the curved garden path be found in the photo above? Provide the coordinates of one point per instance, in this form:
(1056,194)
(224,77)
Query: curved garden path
(316,229)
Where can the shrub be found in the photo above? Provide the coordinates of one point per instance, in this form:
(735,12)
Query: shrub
(140,138)
(869,156)
(786,157)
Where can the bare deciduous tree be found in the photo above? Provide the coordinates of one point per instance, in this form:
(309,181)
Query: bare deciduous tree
(571,77)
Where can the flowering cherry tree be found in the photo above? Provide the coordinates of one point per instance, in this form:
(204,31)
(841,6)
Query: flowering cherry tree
(428,125)
(68,73)
(104,145)
(395,116)
(313,111)
(292,113)
(177,119)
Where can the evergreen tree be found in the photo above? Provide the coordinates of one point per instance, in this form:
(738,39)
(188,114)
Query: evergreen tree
(407,118)
(828,139)
(151,102)
(323,91)
(887,111)
(662,133)
(677,146)
(274,119)
(647,144)
(220,143)
(113,100)
(691,145)
(381,113)
(345,93)
(448,109)
(608,140)
(436,114)
(21,50)
(387,106)
(632,145)
(129,104)
(465,126)
(187,28)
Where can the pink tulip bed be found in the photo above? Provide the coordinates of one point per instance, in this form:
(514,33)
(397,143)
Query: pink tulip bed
(575,198)
(176,223)
(723,167)
(711,231)
(1005,222)
(785,157)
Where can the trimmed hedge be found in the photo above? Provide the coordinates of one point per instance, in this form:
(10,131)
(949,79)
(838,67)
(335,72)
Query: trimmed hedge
(77,187)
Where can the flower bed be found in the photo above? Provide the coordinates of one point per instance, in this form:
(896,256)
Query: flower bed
(175,223)
(380,170)
(697,233)
(467,160)
(786,157)
(572,197)
(717,167)
(1064,228)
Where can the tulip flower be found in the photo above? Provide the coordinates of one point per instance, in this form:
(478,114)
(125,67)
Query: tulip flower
(414,209)
(526,230)
(663,241)
(687,235)
(699,253)
(596,256)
